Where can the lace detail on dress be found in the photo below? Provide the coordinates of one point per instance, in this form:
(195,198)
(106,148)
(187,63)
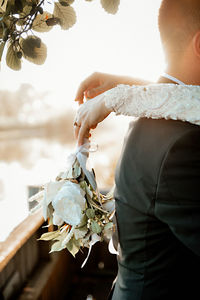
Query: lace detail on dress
(156,101)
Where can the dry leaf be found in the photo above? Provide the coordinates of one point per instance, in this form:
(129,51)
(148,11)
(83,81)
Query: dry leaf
(66,15)
(12,60)
(40,24)
(111,6)
(40,55)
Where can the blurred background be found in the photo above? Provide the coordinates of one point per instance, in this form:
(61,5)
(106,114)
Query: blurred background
(37,110)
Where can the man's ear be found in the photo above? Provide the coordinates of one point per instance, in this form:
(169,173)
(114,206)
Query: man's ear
(196,44)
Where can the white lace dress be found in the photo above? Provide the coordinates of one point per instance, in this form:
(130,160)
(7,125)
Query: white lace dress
(156,101)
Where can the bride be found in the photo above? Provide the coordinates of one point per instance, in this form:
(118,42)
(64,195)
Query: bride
(134,97)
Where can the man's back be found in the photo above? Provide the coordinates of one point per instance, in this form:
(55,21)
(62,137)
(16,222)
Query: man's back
(158,206)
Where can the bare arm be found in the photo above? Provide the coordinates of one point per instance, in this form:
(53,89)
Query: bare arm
(156,101)
(97,83)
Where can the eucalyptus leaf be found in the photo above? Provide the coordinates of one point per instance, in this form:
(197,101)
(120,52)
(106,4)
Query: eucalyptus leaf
(108,226)
(88,191)
(90,213)
(110,6)
(95,227)
(80,232)
(57,246)
(73,246)
(83,185)
(66,14)
(12,60)
(49,235)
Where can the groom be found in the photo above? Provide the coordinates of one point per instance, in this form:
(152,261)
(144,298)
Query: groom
(158,182)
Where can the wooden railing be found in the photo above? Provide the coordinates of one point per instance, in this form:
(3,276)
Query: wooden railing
(18,237)
(27,268)
(28,271)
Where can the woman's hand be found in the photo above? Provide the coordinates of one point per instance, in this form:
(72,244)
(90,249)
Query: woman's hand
(98,83)
(88,116)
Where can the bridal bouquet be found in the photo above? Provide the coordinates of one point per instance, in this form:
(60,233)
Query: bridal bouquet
(82,216)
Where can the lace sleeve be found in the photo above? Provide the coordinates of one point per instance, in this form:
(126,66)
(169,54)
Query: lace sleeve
(169,101)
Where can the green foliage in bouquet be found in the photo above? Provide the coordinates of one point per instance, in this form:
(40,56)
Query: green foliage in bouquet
(19,19)
(80,215)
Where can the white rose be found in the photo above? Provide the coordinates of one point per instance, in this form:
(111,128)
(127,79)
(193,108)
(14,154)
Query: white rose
(50,191)
(57,220)
(69,203)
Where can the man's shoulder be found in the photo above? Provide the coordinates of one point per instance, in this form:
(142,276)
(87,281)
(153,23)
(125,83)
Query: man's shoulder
(150,139)
(164,130)
(166,124)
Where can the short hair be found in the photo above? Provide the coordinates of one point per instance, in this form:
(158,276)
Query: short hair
(178,21)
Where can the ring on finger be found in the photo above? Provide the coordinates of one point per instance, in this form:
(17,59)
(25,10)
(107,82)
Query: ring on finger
(76,124)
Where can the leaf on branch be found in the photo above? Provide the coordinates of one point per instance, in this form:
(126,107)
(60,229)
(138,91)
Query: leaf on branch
(66,2)
(27,9)
(52,21)
(33,1)
(41,55)
(3,5)
(12,59)
(34,50)
(66,15)
(110,6)
(29,44)
(63,2)
(40,23)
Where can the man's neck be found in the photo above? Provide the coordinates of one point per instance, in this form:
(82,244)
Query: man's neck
(185,75)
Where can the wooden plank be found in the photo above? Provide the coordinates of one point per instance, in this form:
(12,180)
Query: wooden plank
(51,280)
(18,237)
(7,273)
(36,284)
(32,253)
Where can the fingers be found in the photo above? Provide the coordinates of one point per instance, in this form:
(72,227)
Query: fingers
(83,134)
(89,83)
(81,131)
(76,131)
(80,93)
